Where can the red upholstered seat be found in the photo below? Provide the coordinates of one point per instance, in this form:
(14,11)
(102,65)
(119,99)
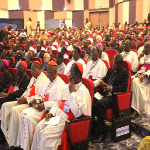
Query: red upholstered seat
(122,99)
(53,59)
(140,39)
(12,59)
(24,42)
(135,45)
(23,59)
(37,59)
(141,44)
(68,52)
(64,77)
(85,60)
(55,52)
(13,71)
(55,46)
(118,45)
(111,53)
(66,60)
(28,71)
(105,47)
(106,63)
(84,52)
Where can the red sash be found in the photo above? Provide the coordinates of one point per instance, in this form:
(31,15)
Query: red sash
(147,66)
(64,141)
(11,89)
(91,78)
(32,92)
(46,98)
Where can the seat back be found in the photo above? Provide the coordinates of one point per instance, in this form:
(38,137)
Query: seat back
(105,47)
(13,71)
(118,45)
(37,59)
(68,52)
(53,59)
(85,60)
(106,63)
(135,45)
(28,71)
(66,60)
(55,52)
(64,77)
(12,59)
(24,42)
(140,39)
(111,53)
(23,59)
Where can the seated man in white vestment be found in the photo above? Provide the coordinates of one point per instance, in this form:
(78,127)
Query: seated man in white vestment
(11,111)
(96,68)
(30,117)
(129,55)
(76,58)
(141,83)
(75,101)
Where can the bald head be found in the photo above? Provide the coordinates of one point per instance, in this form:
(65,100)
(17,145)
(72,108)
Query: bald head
(147,48)
(98,39)
(46,58)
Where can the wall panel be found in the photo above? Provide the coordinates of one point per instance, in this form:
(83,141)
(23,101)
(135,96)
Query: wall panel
(78,18)
(111,16)
(41,18)
(24,4)
(132,11)
(120,13)
(139,10)
(125,12)
(13,4)
(79,5)
(69,5)
(4,4)
(13,14)
(47,4)
(35,4)
(91,4)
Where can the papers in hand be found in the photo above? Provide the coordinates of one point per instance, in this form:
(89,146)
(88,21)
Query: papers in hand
(53,121)
(98,96)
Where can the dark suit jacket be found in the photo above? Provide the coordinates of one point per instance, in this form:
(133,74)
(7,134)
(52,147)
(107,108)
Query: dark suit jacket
(5,78)
(137,43)
(44,67)
(120,81)
(22,83)
(114,47)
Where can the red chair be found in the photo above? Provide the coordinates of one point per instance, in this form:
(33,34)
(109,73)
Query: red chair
(53,59)
(111,53)
(44,51)
(13,71)
(24,42)
(68,52)
(66,60)
(83,51)
(118,45)
(134,50)
(37,59)
(85,60)
(45,46)
(12,59)
(135,45)
(55,46)
(23,59)
(55,52)
(105,47)
(140,39)
(28,71)
(34,46)
(64,77)
(122,99)
(141,44)
(106,63)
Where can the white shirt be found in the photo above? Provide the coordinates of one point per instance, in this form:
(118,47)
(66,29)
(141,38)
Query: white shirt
(105,56)
(38,83)
(96,69)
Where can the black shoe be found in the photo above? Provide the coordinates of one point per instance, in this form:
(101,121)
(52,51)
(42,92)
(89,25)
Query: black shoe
(2,138)
(134,114)
(15,148)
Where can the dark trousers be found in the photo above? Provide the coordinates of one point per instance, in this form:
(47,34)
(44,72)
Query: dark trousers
(99,109)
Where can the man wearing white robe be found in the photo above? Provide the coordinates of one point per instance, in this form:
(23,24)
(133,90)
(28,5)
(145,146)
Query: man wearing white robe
(141,85)
(129,55)
(96,68)
(77,100)
(31,116)
(76,58)
(11,111)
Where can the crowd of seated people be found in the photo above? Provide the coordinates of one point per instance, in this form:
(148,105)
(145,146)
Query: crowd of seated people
(30,83)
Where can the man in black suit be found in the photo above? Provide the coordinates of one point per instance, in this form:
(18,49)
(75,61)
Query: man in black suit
(116,80)
(39,53)
(112,44)
(16,87)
